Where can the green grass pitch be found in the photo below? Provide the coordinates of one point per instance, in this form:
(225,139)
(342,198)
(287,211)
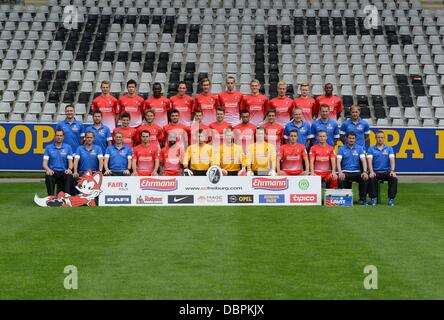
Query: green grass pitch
(223,252)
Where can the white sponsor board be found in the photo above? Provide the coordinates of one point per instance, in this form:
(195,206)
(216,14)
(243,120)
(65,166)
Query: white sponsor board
(200,191)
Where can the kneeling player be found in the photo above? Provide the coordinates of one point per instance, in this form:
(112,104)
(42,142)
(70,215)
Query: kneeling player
(294,157)
(145,157)
(323,161)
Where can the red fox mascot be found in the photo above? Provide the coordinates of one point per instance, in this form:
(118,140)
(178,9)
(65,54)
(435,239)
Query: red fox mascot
(88,186)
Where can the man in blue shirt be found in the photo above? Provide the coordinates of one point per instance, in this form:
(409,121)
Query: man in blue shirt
(357,125)
(381,163)
(102,134)
(118,157)
(57,162)
(73,128)
(353,167)
(303,128)
(324,123)
(88,157)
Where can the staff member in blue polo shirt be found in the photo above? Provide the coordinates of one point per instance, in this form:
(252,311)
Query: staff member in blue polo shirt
(352,166)
(381,163)
(303,128)
(73,128)
(324,123)
(88,157)
(102,134)
(118,157)
(357,125)
(57,162)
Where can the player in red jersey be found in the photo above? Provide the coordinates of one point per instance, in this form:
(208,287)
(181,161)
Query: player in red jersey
(145,157)
(129,133)
(294,157)
(217,128)
(245,132)
(171,156)
(305,103)
(196,125)
(180,129)
(334,102)
(132,104)
(274,132)
(156,132)
(183,103)
(256,103)
(231,101)
(207,102)
(108,105)
(160,105)
(281,104)
(323,161)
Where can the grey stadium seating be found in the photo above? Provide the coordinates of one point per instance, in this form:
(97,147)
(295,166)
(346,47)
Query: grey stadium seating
(394,71)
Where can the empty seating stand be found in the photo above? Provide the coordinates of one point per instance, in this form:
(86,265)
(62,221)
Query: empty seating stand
(394,71)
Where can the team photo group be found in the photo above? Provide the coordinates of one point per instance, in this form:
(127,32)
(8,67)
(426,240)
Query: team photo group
(242,134)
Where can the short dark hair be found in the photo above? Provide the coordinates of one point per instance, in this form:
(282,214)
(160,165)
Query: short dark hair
(157,84)
(175,111)
(220,109)
(271,111)
(245,111)
(351,133)
(293,130)
(322,131)
(70,106)
(125,115)
(132,81)
(97,112)
(380,131)
(94,135)
(60,130)
(144,131)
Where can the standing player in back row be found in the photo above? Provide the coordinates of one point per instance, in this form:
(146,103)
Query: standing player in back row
(160,105)
(231,101)
(108,105)
(256,103)
(282,104)
(334,103)
(207,102)
(305,103)
(183,103)
(132,104)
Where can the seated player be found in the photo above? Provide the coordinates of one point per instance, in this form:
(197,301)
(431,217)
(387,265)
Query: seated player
(156,132)
(171,157)
(57,162)
(118,158)
(323,161)
(217,128)
(381,163)
(199,157)
(145,157)
(231,157)
(129,133)
(353,167)
(293,156)
(88,157)
(261,156)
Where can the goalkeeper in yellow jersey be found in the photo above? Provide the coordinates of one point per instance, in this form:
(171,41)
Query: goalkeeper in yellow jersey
(231,156)
(199,157)
(261,156)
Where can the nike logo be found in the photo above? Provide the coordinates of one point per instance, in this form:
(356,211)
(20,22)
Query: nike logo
(179,199)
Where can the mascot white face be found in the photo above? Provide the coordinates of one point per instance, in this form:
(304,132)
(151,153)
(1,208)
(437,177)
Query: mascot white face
(89,184)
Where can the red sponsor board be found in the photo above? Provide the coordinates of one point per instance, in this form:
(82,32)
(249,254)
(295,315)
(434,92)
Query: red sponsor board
(117,184)
(303,198)
(270,184)
(158,184)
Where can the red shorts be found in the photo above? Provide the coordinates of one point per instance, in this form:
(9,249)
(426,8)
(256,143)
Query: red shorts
(327,177)
(144,173)
(171,173)
(293,172)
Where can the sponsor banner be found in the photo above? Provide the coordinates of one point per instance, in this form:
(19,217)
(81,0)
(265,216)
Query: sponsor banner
(418,150)
(208,191)
(338,201)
